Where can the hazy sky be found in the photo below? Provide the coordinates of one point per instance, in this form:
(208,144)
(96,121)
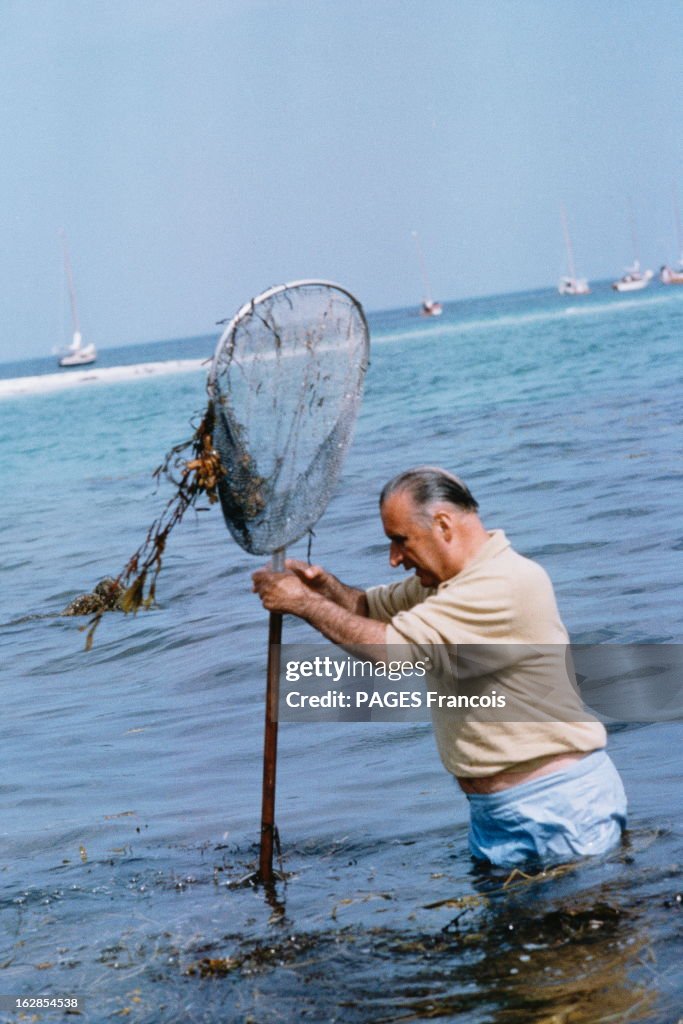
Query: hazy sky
(197,151)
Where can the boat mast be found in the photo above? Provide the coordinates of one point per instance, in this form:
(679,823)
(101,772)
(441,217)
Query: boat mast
(72,292)
(568,243)
(423,267)
(634,235)
(677,216)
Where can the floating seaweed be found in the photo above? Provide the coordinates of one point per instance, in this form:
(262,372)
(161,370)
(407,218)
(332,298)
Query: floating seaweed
(105,597)
(135,586)
(257,958)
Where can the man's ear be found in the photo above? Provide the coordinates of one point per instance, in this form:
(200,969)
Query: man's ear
(443,521)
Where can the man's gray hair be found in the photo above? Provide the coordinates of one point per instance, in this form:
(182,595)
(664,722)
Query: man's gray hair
(428,485)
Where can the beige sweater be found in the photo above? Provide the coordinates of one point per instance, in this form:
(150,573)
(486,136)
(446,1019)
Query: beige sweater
(493,627)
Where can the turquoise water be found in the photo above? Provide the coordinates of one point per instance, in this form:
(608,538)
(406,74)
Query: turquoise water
(130,794)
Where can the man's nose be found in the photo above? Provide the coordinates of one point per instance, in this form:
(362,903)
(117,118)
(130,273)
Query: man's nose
(395,555)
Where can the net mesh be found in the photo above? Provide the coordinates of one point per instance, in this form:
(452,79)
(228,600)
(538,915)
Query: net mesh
(285,384)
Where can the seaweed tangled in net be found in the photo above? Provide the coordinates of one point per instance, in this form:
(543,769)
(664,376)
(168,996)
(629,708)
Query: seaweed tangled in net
(194,478)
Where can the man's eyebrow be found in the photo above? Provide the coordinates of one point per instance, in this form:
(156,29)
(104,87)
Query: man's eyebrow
(396,537)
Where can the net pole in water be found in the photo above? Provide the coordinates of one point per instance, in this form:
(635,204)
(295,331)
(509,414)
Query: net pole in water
(270,736)
(285,383)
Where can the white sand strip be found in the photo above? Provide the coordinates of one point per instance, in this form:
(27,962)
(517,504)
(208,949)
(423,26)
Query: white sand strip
(92,375)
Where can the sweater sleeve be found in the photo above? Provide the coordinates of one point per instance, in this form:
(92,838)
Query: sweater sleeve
(467,613)
(385,602)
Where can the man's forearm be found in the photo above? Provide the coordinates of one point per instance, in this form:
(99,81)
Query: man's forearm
(350,598)
(342,626)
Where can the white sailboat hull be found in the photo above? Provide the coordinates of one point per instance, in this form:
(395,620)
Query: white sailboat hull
(573,286)
(669,276)
(631,286)
(633,280)
(80,356)
(431,309)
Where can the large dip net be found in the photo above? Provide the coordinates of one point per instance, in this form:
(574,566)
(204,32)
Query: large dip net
(285,383)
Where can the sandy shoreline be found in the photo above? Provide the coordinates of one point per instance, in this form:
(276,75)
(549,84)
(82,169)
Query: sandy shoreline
(93,375)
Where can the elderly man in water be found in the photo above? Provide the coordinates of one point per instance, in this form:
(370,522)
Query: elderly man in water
(541,788)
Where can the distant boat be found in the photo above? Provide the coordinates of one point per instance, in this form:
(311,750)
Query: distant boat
(674,275)
(570,284)
(428,307)
(634,279)
(76,354)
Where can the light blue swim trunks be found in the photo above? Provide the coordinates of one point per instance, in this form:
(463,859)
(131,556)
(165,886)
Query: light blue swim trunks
(579,811)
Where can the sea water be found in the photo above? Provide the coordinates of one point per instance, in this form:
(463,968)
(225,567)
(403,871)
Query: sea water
(130,794)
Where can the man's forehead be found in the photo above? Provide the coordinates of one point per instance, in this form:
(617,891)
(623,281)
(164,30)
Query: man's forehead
(399,506)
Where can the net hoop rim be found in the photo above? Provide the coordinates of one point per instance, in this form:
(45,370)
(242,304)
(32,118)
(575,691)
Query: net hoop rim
(269,293)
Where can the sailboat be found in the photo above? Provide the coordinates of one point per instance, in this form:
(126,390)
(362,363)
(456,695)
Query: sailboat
(428,307)
(570,284)
(76,354)
(633,279)
(674,275)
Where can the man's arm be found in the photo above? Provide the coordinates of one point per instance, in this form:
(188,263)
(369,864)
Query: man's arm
(288,593)
(321,582)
